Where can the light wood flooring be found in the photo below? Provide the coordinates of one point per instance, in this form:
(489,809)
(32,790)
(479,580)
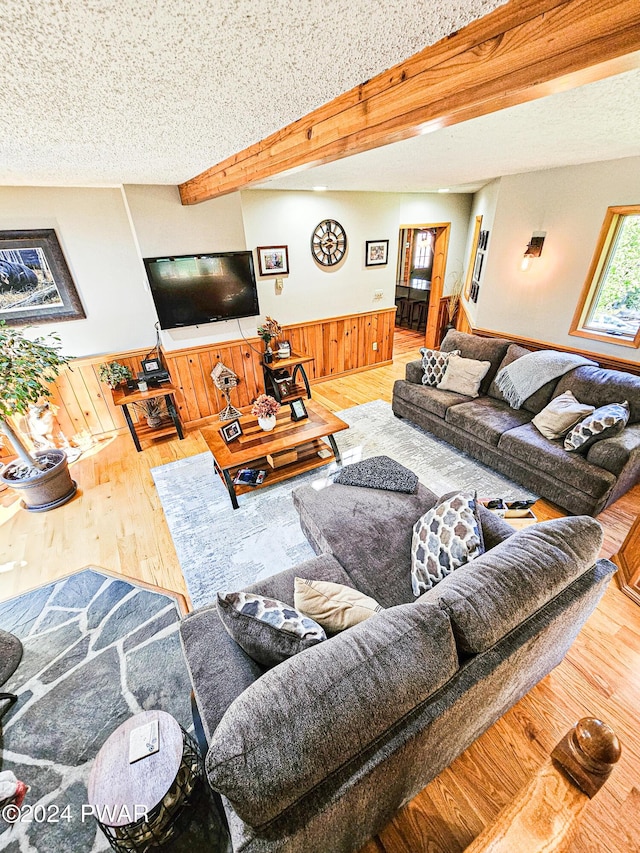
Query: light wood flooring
(116,522)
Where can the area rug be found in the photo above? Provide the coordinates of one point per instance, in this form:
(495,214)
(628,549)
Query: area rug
(222,548)
(96,651)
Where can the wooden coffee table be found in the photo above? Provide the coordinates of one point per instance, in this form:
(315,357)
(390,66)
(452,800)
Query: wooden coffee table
(250,450)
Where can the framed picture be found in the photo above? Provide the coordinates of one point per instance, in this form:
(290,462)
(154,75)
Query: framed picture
(377,253)
(273,260)
(298,411)
(231,431)
(35,281)
(150,365)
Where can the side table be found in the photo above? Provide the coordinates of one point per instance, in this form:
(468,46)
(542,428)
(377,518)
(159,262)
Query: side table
(294,364)
(138,805)
(125,398)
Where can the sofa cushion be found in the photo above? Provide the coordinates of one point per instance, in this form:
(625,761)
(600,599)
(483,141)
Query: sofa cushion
(614,453)
(334,606)
(268,630)
(306,718)
(495,593)
(606,422)
(379,472)
(445,538)
(434,364)
(464,375)
(598,387)
(526,443)
(481,349)
(562,413)
(430,399)
(486,418)
(539,399)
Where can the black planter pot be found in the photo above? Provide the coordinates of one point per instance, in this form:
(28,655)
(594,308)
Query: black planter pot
(47,489)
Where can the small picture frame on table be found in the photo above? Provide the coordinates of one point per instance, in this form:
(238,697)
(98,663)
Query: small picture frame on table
(377,254)
(151,365)
(231,431)
(298,410)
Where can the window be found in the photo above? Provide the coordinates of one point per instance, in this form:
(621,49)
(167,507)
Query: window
(609,309)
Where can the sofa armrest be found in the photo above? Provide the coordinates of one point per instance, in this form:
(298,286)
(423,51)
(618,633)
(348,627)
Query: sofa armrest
(494,529)
(413,372)
(613,454)
(220,670)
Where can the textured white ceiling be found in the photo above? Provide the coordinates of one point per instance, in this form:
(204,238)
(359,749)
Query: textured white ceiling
(155,91)
(591,123)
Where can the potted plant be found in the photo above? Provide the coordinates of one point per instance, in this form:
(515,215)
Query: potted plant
(26,369)
(114,374)
(265,408)
(269,330)
(153,411)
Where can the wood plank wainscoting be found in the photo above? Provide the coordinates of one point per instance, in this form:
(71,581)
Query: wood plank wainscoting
(340,346)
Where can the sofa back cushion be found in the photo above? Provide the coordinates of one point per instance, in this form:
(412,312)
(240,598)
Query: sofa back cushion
(310,715)
(599,386)
(492,595)
(539,399)
(481,349)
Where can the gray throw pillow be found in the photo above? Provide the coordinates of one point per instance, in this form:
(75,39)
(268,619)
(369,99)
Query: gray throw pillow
(269,630)
(605,422)
(445,538)
(434,364)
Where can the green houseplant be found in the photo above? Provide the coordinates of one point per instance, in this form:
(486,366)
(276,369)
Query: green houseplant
(114,373)
(26,369)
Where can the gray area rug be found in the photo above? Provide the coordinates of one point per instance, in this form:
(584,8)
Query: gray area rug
(224,549)
(96,651)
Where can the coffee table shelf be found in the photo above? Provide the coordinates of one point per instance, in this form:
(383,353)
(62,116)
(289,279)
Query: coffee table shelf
(250,450)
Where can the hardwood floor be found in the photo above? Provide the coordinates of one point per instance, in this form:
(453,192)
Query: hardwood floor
(117,522)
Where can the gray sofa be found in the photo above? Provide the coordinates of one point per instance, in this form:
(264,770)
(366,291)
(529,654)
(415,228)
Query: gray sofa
(488,429)
(320,751)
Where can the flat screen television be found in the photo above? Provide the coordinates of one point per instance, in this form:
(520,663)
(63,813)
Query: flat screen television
(190,290)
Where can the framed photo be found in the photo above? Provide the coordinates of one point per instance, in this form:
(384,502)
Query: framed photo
(298,411)
(231,431)
(377,254)
(151,365)
(35,281)
(273,260)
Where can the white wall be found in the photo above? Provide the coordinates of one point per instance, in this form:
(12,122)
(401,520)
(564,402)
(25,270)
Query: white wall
(569,204)
(274,218)
(163,226)
(484,204)
(95,235)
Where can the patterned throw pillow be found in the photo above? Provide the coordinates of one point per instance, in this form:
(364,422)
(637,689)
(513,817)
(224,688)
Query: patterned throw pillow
(434,364)
(333,605)
(445,538)
(605,422)
(267,629)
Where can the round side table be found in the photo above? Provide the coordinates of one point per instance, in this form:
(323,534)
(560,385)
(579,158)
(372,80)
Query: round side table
(138,805)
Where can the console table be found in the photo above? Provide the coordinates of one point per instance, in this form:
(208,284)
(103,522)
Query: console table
(294,364)
(140,431)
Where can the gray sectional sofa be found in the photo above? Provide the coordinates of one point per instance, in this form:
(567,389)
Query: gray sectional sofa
(319,752)
(487,428)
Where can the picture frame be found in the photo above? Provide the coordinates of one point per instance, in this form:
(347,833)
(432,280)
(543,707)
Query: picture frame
(231,431)
(273,260)
(377,253)
(151,365)
(36,285)
(298,410)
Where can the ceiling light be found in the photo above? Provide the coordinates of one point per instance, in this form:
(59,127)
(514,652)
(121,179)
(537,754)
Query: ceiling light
(318,189)
(444,190)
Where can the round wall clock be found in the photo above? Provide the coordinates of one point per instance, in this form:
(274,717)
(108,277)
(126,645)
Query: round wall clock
(328,243)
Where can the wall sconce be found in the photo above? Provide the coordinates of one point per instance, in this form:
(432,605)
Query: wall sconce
(534,248)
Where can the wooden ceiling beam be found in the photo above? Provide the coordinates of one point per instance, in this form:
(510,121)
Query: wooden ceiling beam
(524,50)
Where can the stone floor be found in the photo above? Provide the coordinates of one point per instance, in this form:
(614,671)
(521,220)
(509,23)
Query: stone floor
(96,650)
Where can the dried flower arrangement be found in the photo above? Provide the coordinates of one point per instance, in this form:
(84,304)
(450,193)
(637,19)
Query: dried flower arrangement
(269,330)
(265,406)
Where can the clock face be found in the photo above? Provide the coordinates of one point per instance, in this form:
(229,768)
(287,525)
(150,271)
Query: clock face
(328,243)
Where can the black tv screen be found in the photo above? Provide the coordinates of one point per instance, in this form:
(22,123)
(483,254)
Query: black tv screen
(190,290)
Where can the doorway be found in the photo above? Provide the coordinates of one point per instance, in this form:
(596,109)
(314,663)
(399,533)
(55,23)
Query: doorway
(422,261)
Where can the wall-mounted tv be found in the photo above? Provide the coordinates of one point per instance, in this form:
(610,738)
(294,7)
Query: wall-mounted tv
(190,290)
